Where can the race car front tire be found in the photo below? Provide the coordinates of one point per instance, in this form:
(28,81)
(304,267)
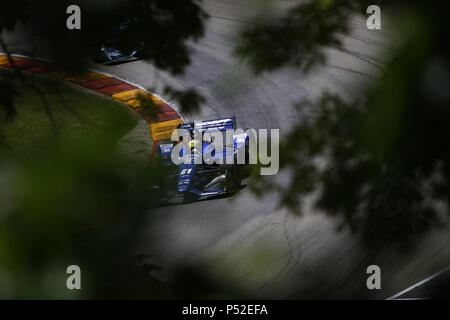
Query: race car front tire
(189,197)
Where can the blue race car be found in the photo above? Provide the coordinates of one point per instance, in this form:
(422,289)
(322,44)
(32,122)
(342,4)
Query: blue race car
(200,177)
(113,48)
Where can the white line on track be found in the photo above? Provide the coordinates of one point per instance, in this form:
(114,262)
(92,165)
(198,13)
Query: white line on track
(419,283)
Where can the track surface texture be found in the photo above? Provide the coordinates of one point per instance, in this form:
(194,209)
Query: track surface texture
(247,242)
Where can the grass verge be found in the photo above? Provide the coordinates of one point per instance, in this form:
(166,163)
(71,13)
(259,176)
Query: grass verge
(49,111)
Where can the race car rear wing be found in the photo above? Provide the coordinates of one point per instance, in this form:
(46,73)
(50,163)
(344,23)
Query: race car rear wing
(219,124)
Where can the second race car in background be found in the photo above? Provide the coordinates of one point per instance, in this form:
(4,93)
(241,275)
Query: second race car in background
(112,48)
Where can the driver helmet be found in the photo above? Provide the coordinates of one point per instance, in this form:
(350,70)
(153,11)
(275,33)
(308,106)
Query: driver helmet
(194,144)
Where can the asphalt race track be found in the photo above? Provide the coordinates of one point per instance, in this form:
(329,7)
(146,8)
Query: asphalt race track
(248,242)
